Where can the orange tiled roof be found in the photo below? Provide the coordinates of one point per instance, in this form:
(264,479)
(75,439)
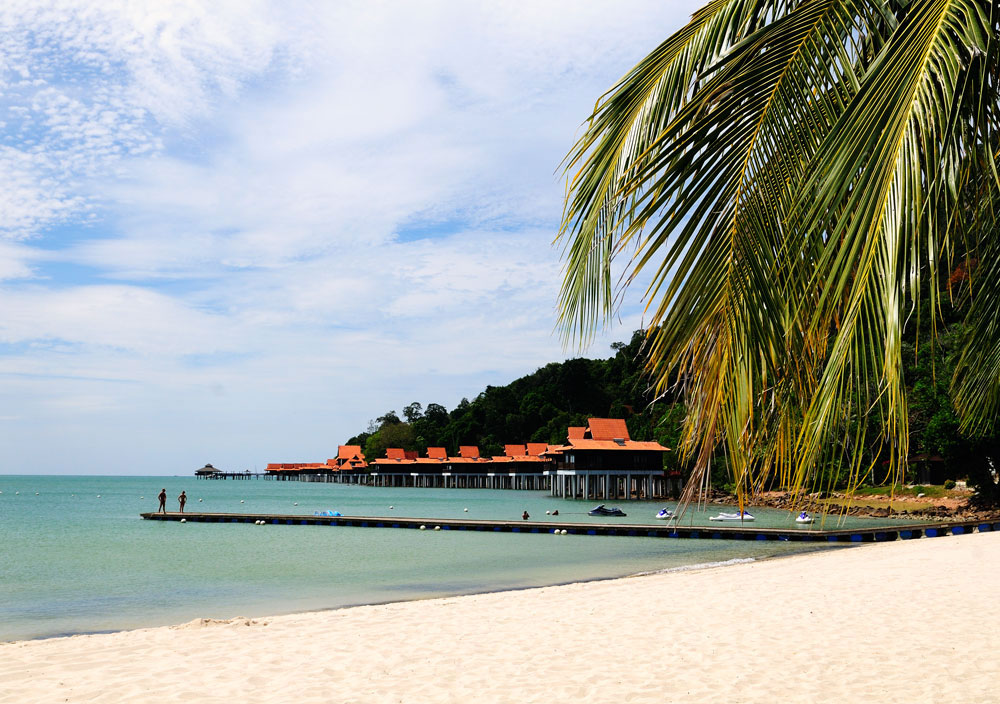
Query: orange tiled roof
(436,453)
(395,453)
(588,444)
(607,429)
(575,432)
(537,448)
(514,450)
(468,451)
(346,452)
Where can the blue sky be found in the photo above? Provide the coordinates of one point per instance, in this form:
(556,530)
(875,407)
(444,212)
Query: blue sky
(233,232)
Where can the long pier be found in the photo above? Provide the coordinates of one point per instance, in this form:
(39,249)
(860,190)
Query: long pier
(743,532)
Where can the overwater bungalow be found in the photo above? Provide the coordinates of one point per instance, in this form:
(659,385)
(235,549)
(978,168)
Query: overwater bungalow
(598,461)
(207,471)
(601,461)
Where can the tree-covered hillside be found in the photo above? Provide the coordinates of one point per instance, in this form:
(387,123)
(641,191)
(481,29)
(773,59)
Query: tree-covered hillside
(538,407)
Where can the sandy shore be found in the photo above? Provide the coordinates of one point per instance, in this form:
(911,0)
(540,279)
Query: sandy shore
(896,622)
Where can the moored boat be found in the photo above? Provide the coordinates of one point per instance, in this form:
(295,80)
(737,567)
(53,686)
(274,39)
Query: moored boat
(603,510)
(745,516)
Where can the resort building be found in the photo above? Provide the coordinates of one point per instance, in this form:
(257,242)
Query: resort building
(599,461)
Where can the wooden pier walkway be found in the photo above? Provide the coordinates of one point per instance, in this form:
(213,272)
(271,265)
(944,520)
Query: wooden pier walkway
(905,531)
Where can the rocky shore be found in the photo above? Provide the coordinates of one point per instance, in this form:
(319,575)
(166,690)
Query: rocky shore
(837,503)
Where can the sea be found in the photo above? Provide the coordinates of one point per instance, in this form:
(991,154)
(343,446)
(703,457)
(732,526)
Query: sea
(75,556)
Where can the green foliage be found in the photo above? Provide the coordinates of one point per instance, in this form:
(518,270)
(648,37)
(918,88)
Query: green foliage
(949,484)
(795,179)
(538,407)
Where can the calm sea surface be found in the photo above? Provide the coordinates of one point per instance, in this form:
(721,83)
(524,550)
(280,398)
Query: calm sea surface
(76,558)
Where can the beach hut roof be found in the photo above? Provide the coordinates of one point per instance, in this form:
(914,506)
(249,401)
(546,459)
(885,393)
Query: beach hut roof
(607,429)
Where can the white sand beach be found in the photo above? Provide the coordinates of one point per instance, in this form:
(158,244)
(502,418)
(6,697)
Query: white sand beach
(894,622)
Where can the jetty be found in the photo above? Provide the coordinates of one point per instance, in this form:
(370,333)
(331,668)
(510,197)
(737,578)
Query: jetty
(881,533)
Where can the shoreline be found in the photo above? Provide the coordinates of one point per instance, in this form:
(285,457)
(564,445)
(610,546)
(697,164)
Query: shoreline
(806,548)
(902,621)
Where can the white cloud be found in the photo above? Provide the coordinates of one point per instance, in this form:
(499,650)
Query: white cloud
(283,217)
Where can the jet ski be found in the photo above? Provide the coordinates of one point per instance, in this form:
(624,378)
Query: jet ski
(665,514)
(804,518)
(603,510)
(745,516)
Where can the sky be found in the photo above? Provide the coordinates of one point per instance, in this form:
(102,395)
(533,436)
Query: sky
(235,231)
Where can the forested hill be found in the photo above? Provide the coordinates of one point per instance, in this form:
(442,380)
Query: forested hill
(538,407)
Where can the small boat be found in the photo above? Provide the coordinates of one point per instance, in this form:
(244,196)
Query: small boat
(665,514)
(603,510)
(745,516)
(804,517)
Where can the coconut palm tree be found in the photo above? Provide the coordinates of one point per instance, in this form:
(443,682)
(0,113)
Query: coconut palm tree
(789,179)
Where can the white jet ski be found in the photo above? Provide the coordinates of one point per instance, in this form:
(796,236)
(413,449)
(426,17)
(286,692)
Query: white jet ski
(665,514)
(733,517)
(804,518)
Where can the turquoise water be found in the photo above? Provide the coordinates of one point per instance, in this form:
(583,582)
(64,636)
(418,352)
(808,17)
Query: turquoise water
(76,557)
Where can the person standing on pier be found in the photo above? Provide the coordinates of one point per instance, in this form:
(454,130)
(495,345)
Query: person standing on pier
(163,501)
(182,499)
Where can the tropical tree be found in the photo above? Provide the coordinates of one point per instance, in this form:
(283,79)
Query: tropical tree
(789,179)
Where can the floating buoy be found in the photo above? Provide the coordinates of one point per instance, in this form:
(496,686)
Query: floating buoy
(241,501)
(466,510)
(423,527)
(98,496)
(548,512)
(437,527)
(200,500)
(16,493)
(391,507)
(296,503)
(184,520)
(36,493)
(142,497)
(563,531)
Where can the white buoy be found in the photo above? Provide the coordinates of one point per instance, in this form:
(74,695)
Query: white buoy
(391,507)
(437,527)
(200,500)
(142,497)
(36,493)
(548,513)
(98,496)
(466,510)
(423,527)
(16,493)
(296,503)
(184,520)
(241,501)
(563,531)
